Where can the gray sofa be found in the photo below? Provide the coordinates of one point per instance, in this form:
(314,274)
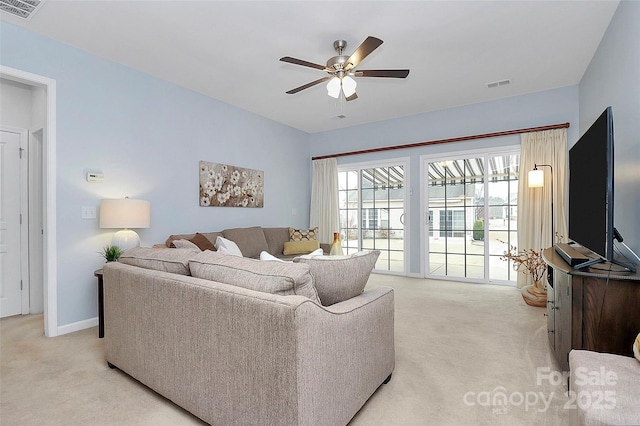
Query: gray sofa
(233,355)
(250,240)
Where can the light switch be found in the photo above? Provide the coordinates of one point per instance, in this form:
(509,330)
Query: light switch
(88,212)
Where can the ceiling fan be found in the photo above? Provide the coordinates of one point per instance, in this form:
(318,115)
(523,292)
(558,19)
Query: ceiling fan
(342,68)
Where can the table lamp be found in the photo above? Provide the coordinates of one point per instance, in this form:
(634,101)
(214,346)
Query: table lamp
(125,213)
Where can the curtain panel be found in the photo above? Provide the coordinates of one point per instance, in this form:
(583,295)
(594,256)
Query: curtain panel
(324,199)
(534,204)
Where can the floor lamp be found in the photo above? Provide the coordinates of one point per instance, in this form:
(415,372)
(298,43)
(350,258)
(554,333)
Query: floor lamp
(536,180)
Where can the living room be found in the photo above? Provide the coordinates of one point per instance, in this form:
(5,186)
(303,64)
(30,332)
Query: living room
(146,136)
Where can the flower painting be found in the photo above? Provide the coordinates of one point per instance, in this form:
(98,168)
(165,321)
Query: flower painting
(229,186)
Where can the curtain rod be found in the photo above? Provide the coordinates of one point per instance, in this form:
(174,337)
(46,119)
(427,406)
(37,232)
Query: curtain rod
(458,139)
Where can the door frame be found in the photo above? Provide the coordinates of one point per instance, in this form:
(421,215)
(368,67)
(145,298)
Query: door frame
(50,284)
(386,162)
(424,206)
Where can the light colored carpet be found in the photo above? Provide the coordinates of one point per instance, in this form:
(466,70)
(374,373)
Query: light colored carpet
(458,346)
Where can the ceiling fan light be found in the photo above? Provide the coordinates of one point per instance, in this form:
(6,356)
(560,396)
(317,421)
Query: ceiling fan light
(333,87)
(348,86)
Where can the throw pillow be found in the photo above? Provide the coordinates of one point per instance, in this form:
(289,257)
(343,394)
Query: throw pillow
(339,278)
(303,234)
(300,247)
(202,242)
(282,278)
(228,245)
(175,260)
(636,347)
(266,256)
(184,244)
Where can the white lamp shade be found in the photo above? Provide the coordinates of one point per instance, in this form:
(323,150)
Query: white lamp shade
(333,87)
(535,178)
(124,213)
(348,86)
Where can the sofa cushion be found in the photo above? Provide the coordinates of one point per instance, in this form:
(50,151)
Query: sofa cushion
(282,278)
(174,260)
(300,247)
(338,278)
(251,241)
(276,237)
(303,234)
(228,247)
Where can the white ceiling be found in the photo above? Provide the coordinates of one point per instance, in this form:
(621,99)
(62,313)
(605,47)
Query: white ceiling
(230,50)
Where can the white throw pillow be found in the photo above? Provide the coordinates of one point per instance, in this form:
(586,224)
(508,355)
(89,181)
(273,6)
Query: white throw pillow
(267,256)
(227,246)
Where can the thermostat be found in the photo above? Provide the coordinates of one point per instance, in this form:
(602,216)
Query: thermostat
(95,177)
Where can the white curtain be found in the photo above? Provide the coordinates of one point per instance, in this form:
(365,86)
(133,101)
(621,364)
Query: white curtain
(534,204)
(324,199)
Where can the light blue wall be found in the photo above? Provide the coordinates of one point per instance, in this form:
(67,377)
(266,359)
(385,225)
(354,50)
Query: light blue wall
(147,136)
(537,109)
(613,78)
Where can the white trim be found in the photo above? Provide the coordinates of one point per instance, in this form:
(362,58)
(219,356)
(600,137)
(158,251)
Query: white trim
(24,223)
(50,272)
(77,326)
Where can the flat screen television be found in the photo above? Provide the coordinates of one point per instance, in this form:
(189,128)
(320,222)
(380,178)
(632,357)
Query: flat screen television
(591,191)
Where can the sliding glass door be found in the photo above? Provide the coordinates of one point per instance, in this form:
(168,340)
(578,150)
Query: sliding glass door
(471,212)
(372,211)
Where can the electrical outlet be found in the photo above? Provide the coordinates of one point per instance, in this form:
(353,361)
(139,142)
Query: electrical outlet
(88,212)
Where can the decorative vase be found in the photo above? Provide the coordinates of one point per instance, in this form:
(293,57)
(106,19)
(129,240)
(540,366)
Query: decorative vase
(535,295)
(336,247)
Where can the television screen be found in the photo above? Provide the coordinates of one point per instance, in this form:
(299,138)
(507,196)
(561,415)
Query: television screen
(591,188)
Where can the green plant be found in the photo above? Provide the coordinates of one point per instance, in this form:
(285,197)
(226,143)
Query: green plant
(111,253)
(478,230)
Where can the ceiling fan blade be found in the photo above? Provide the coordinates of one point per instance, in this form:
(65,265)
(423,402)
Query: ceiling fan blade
(367,46)
(352,97)
(382,73)
(295,61)
(306,86)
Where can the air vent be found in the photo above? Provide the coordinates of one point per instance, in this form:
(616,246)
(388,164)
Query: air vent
(21,8)
(498,83)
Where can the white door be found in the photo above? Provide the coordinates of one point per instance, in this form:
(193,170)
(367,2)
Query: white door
(10,265)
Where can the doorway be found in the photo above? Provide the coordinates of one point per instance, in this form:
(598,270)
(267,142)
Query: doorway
(373,207)
(41,262)
(471,210)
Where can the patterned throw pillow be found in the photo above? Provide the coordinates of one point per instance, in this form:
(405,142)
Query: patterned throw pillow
(303,234)
(636,347)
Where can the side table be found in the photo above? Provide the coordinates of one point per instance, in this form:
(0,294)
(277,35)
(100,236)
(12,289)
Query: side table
(98,275)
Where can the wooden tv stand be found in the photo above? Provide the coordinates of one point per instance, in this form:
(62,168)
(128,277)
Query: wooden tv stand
(591,309)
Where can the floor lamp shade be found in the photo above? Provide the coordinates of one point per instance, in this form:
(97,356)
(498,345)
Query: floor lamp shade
(125,213)
(536,178)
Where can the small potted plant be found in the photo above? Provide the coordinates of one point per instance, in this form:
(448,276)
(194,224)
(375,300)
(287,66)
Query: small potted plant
(111,253)
(531,263)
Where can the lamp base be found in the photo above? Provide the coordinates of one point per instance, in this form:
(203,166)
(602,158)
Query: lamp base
(125,239)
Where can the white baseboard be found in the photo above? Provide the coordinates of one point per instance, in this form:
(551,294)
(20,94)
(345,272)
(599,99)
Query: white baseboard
(415,275)
(77,326)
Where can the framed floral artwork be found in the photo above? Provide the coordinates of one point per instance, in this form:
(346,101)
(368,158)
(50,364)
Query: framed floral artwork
(223,185)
